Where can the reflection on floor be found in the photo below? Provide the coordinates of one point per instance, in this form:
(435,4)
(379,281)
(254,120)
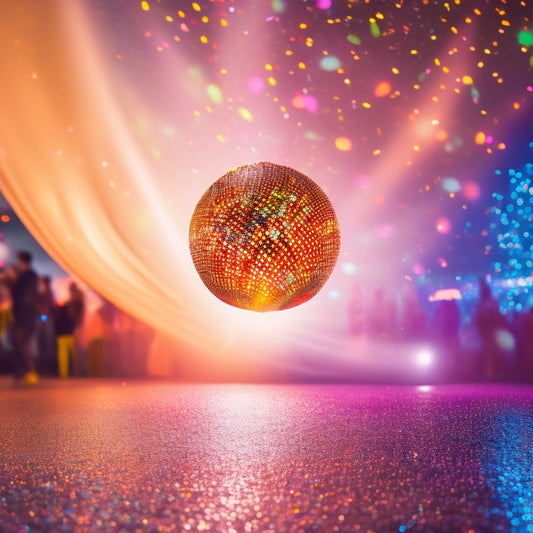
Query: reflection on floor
(160,456)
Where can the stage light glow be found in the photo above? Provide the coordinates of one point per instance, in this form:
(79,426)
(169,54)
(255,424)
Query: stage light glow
(264,237)
(424,357)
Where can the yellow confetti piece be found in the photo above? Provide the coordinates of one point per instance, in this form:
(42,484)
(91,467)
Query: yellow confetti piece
(271,81)
(214,93)
(395,70)
(223,22)
(501,146)
(196,6)
(245,114)
(467,80)
(204,39)
(343,144)
(145,6)
(168,18)
(377,151)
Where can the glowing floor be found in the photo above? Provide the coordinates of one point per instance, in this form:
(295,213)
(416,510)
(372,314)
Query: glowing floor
(145,456)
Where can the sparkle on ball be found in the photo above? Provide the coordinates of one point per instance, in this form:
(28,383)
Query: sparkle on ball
(264,237)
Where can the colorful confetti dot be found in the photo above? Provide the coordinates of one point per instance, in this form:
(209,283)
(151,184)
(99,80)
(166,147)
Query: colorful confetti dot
(344,144)
(329,63)
(214,93)
(382,89)
(480,138)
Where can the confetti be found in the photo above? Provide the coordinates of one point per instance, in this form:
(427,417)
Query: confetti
(329,63)
(343,144)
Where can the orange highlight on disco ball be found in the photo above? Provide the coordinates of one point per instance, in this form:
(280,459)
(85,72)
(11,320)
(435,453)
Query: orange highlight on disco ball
(264,237)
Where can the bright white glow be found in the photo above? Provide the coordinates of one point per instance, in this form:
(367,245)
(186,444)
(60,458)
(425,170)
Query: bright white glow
(424,357)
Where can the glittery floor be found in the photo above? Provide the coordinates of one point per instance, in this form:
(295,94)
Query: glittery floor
(144,456)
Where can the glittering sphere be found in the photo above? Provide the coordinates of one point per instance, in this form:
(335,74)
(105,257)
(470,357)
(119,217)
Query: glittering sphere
(264,237)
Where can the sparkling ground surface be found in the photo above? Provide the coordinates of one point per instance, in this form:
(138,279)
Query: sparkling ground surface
(144,456)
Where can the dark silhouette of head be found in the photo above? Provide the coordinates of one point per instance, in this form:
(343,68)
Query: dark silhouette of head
(24,260)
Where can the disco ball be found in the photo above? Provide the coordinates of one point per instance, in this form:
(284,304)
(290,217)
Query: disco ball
(264,237)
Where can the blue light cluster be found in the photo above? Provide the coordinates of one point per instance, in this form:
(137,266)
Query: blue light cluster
(512,214)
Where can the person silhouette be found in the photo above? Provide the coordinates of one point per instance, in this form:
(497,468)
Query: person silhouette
(25,297)
(47,332)
(489,320)
(69,316)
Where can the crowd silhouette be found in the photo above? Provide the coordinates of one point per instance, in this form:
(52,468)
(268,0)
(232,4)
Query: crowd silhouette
(481,343)
(41,336)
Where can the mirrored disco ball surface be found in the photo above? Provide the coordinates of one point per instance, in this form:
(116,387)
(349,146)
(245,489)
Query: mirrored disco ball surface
(264,237)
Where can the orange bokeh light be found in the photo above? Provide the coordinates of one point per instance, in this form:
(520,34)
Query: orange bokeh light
(382,89)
